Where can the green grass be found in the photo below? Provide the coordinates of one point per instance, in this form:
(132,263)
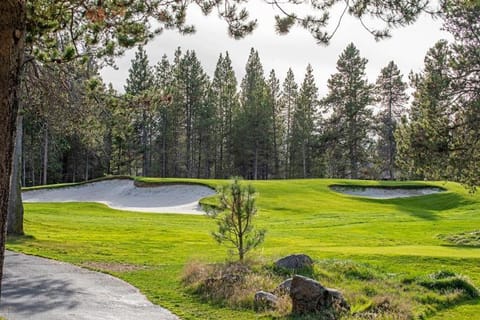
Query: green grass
(469,239)
(398,237)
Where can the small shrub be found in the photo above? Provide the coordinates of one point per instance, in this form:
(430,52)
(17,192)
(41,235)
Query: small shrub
(446,284)
(287,273)
(194,272)
(352,270)
(442,274)
(467,239)
(386,307)
(234,216)
(230,284)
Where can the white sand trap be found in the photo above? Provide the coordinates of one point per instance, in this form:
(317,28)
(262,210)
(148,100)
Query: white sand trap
(385,193)
(122,194)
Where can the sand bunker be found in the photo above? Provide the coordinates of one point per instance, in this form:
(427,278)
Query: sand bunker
(385,193)
(124,195)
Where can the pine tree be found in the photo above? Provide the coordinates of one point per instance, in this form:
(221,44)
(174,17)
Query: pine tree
(253,123)
(163,83)
(176,167)
(348,98)
(288,101)
(194,84)
(303,127)
(225,100)
(391,96)
(424,140)
(140,80)
(206,119)
(274,93)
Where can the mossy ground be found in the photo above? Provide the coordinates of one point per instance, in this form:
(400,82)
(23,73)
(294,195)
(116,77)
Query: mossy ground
(396,239)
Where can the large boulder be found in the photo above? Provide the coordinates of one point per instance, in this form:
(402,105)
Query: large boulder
(265,300)
(295,262)
(309,296)
(284,287)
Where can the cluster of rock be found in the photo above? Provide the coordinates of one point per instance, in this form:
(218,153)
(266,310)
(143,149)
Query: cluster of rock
(308,296)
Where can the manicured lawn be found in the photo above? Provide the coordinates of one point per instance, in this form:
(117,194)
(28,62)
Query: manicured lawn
(397,237)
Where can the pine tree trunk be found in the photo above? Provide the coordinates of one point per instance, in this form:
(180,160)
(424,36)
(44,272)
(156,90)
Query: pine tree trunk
(15,206)
(391,161)
(255,164)
(144,144)
(164,146)
(32,160)
(45,156)
(304,161)
(12,33)
(107,140)
(87,168)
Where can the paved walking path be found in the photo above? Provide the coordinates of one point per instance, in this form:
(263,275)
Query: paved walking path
(43,289)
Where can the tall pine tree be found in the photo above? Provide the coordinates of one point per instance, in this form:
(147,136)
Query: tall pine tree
(348,98)
(303,127)
(225,101)
(273,86)
(391,97)
(139,81)
(424,140)
(253,123)
(288,101)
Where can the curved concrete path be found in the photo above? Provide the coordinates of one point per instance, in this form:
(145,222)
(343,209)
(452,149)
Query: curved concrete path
(43,289)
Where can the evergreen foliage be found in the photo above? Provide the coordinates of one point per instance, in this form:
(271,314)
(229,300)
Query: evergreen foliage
(348,100)
(288,102)
(303,127)
(234,218)
(253,123)
(392,99)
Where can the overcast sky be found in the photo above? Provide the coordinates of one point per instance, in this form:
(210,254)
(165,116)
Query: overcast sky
(407,47)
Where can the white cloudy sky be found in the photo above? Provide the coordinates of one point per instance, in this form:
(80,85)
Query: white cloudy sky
(407,47)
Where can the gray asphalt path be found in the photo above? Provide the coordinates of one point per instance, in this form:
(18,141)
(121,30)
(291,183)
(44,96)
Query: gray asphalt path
(43,289)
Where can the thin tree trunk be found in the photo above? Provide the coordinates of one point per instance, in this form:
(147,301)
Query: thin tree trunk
(12,34)
(144,143)
(276,163)
(391,162)
(255,165)
(164,147)
(199,164)
(15,206)
(86,167)
(32,159)
(304,161)
(45,155)
(24,166)
(108,149)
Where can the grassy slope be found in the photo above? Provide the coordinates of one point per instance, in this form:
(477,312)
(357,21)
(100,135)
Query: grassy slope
(398,236)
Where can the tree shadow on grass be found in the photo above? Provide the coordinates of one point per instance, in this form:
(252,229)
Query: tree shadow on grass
(28,295)
(425,207)
(19,239)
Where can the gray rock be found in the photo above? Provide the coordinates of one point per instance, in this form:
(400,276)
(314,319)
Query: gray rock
(309,296)
(284,287)
(265,300)
(295,262)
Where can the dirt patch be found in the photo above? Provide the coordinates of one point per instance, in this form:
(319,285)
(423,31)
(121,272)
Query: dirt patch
(112,266)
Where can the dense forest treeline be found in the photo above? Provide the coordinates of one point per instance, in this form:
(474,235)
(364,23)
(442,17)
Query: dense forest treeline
(175,121)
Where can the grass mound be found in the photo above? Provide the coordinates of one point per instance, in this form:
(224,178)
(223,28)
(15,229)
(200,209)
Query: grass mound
(467,239)
(449,282)
(230,284)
